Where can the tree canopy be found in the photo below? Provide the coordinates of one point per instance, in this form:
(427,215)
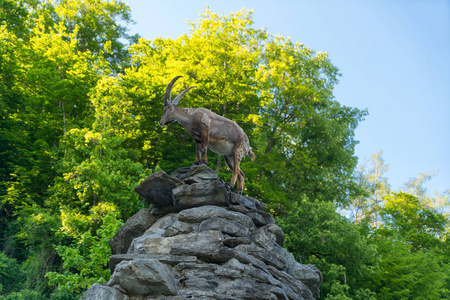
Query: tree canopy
(80,104)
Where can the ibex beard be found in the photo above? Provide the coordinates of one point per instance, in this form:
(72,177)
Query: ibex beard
(209,130)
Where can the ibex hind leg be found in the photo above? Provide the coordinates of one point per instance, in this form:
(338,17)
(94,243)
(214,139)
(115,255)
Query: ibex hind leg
(240,186)
(234,166)
(230,164)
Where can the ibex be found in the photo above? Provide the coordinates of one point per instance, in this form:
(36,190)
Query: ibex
(208,129)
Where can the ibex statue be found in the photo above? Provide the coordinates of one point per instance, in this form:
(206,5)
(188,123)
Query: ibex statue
(208,129)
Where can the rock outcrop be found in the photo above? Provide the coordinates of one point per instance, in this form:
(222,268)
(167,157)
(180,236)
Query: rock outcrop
(198,240)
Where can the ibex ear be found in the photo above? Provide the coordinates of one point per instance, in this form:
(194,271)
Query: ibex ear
(167,95)
(180,95)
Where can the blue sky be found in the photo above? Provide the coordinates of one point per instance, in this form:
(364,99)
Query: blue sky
(394,57)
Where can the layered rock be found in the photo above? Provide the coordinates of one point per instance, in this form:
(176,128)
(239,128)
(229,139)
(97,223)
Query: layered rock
(198,240)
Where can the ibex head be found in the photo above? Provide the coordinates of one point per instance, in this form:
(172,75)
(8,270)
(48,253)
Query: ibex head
(169,115)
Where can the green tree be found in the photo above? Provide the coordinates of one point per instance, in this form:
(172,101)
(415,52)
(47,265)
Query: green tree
(367,205)
(86,258)
(415,186)
(13,15)
(97,166)
(406,218)
(316,234)
(406,273)
(437,201)
(101,25)
(98,25)
(409,235)
(45,80)
(10,274)
(48,96)
(94,189)
(306,136)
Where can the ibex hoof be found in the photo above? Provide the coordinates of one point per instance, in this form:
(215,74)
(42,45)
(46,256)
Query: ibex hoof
(238,191)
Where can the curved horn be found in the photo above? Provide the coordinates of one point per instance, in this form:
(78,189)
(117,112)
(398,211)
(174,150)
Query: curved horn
(167,95)
(180,95)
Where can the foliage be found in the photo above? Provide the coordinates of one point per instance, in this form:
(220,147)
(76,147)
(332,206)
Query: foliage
(97,165)
(409,274)
(80,101)
(301,127)
(420,227)
(45,85)
(367,206)
(410,236)
(23,295)
(316,234)
(10,274)
(86,258)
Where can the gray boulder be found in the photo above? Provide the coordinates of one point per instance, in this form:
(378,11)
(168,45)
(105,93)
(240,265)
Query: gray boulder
(100,292)
(157,188)
(199,194)
(141,278)
(199,214)
(307,274)
(225,226)
(133,228)
(198,240)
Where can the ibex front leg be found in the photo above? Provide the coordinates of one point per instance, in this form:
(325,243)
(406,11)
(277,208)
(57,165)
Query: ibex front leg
(201,145)
(205,143)
(201,153)
(198,148)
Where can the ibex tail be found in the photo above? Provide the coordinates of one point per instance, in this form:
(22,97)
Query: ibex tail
(251,154)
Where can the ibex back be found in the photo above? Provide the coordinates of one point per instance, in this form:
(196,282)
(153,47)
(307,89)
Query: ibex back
(208,129)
